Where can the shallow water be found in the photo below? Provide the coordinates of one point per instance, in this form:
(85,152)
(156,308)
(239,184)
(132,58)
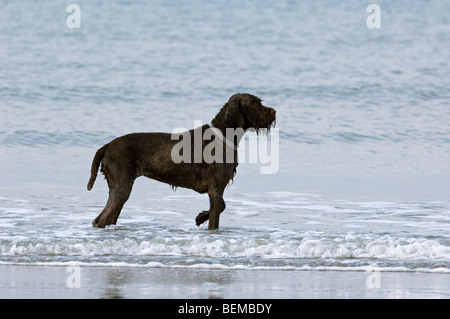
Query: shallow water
(273,230)
(364,139)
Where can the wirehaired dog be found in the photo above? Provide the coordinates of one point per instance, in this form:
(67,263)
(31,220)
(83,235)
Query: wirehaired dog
(153,155)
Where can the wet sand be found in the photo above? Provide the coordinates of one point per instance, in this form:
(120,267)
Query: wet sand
(92,282)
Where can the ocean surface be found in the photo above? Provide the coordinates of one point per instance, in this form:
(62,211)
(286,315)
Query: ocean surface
(362,154)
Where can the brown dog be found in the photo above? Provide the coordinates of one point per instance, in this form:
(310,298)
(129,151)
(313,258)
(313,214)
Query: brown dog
(156,156)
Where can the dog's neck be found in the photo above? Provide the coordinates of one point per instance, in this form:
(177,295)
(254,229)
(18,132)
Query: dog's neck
(219,133)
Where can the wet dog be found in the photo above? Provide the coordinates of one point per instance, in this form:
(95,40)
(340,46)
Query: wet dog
(152,155)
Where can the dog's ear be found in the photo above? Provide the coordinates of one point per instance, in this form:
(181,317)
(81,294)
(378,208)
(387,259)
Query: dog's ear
(233,115)
(250,108)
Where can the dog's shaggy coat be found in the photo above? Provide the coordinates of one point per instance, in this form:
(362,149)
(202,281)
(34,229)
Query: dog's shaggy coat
(150,154)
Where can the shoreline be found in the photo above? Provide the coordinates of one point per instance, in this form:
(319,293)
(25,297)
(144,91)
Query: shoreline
(97,282)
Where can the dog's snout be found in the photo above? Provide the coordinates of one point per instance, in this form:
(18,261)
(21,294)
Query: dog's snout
(272,111)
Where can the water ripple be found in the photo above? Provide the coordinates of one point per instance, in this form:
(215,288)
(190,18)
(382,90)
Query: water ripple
(37,139)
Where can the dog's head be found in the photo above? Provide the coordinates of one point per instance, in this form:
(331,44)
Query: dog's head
(246,111)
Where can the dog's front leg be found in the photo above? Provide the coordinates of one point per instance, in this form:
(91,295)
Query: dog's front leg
(217,205)
(204,215)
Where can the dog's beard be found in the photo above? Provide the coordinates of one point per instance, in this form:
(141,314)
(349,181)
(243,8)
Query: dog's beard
(263,129)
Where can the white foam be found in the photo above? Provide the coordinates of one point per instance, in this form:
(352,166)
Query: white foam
(347,246)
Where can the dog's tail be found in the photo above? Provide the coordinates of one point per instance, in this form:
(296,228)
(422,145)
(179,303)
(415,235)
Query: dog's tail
(95,165)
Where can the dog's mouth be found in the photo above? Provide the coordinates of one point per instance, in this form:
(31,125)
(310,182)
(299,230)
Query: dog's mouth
(265,124)
(264,128)
(272,119)
(271,123)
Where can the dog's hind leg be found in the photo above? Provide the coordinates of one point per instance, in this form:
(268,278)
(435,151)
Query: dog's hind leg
(120,185)
(117,198)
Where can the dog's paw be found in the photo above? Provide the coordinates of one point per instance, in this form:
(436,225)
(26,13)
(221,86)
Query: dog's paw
(202,217)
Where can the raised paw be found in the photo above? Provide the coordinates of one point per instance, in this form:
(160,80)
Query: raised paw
(202,217)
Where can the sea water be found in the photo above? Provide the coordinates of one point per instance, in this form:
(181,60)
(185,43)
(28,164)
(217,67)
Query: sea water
(364,137)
